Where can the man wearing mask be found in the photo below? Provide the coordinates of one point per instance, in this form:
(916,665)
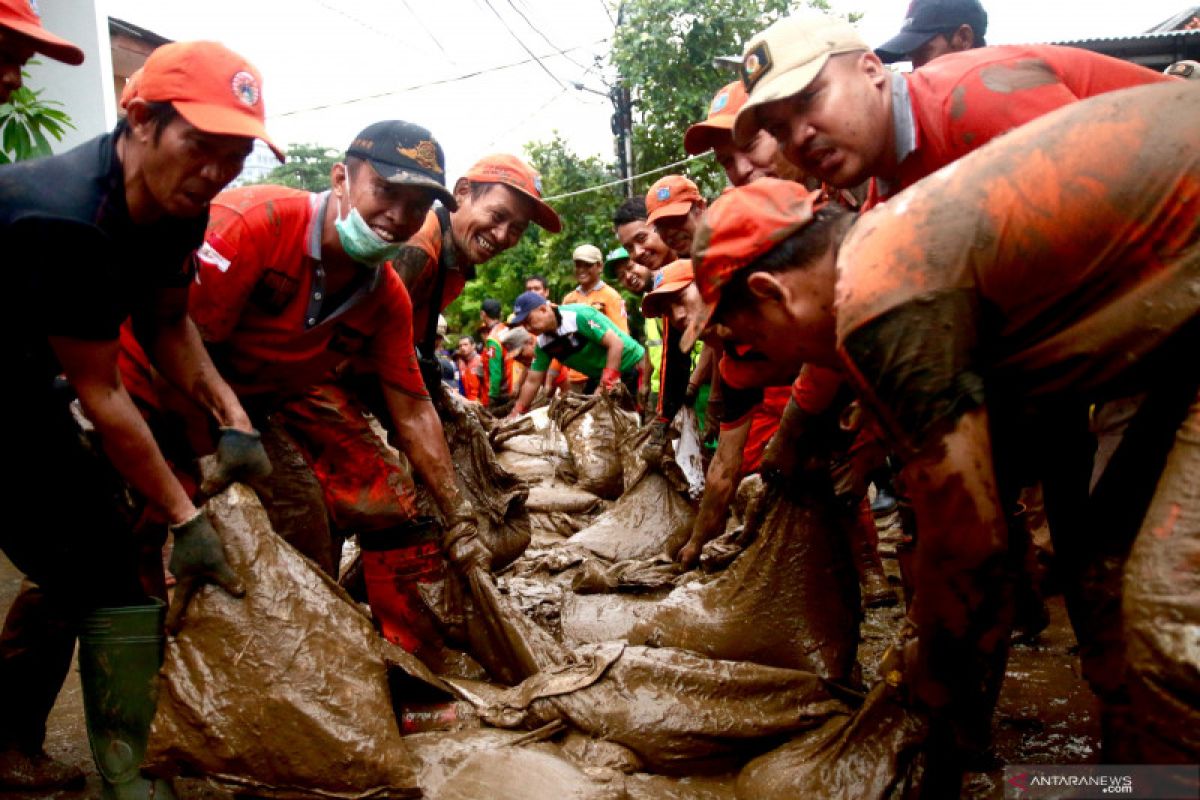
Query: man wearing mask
(135,201)
(294,288)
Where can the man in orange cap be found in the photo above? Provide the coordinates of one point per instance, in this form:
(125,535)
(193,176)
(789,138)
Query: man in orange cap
(497,198)
(759,158)
(114,238)
(295,287)
(22,35)
(947,347)
(674,206)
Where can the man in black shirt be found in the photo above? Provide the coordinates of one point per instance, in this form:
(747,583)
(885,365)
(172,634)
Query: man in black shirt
(90,238)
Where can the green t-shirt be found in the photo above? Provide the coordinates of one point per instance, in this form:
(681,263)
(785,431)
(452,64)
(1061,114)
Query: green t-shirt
(576,342)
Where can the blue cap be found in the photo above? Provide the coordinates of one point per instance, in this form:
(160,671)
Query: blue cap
(524,304)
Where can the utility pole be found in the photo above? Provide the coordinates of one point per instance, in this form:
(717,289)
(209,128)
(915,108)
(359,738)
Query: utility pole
(622,128)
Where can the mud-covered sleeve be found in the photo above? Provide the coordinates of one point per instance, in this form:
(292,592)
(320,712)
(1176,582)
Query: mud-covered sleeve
(915,365)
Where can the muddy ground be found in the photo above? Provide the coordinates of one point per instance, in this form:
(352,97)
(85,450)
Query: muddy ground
(1047,715)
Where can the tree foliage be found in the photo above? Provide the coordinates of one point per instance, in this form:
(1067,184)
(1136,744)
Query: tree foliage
(664,51)
(307,167)
(26,123)
(587,219)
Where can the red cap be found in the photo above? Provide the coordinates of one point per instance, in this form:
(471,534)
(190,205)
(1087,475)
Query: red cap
(719,126)
(132,84)
(22,16)
(743,224)
(671,196)
(675,277)
(515,173)
(211,87)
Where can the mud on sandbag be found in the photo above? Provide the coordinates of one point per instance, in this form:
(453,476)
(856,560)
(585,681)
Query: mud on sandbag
(868,754)
(639,525)
(679,712)
(282,693)
(789,600)
(498,494)
(592,427)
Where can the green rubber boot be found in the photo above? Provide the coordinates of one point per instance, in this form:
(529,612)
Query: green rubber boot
(120,652)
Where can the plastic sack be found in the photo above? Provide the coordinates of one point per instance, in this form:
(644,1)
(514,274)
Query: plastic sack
(282,693)
(789,600)
(640,524)
(592,426)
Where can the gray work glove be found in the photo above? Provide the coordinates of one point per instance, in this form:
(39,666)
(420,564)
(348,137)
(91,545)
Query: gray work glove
(240,458)
(653,448)
(197,558)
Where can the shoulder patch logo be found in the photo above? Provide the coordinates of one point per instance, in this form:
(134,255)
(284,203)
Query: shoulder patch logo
(245,88)
(209,255)
(755,65)
(424,153)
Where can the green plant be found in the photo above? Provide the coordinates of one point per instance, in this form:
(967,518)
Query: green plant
(26,122)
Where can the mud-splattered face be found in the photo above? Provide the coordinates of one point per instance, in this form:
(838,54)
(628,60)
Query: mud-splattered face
(837,128)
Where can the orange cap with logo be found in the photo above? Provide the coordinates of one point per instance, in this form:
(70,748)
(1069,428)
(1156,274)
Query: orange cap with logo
(671,196)
(516,174)
(722,111)
(676,277)
(23,17)
(211,87)
(131,87)
(744,223)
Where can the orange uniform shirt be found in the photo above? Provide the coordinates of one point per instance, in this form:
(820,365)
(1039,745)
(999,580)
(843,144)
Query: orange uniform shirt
(421,253)
(260,292)
(1057,261)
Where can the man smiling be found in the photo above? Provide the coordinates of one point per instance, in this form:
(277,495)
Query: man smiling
(496,200)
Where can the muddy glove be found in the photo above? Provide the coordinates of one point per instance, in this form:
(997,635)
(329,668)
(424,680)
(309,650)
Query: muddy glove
(240,457)
(690,395)
(197,558)
(461,541)
(609,379)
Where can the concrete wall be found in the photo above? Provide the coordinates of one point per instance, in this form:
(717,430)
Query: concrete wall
(86,91)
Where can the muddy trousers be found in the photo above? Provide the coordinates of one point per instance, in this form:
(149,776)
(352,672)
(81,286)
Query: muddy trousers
(1093,539)
(81,555)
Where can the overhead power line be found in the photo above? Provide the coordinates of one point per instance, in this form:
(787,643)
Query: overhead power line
(620,181)
(538,31)
(427,84)
(524,46)
(428,32)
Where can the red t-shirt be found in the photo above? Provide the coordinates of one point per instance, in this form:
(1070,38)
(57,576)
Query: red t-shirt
(259,292)
(961,101)
(1058,261)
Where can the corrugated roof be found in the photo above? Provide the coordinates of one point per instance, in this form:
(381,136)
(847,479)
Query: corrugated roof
(1159,36)
(1176,22)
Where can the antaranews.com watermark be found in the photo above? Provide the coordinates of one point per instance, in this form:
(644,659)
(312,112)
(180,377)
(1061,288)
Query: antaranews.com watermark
(1030,781)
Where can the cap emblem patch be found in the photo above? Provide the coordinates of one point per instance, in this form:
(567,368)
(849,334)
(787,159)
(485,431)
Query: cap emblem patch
(424,154)
(537,183)
(755,65)
(33,6)
(719,102)
(663,193)
(245,88)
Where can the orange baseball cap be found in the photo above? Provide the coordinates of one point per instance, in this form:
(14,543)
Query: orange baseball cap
(516,174)
(722,111)
(211,87)
(131,87)
(23,17)
(676,277)
(671,196)
(744,224)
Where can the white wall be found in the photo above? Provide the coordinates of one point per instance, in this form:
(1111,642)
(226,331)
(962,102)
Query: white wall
(86,91)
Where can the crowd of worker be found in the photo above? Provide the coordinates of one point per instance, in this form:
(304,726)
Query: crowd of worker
(882,296)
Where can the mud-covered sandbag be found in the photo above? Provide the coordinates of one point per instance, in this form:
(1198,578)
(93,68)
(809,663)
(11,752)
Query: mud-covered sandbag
(549,528)
(556,496)
(591,426)
(640,524)
(677,711)
(867,754)
(1161,607)
(531,469)
(789,600)
(282,693)
(601,576)
(496,492)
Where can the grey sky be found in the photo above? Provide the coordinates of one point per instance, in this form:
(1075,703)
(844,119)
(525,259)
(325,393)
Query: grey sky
(317,55)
